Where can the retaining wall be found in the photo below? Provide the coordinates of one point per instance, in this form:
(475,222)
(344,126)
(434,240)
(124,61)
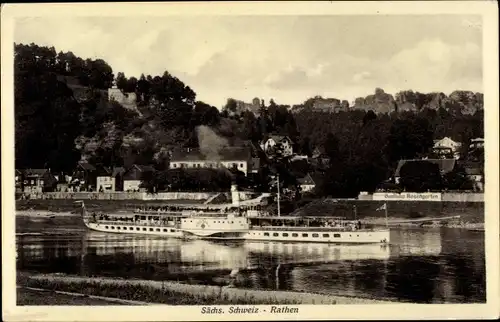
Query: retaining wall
(129,195)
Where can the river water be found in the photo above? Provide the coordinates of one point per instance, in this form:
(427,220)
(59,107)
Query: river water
(431,265)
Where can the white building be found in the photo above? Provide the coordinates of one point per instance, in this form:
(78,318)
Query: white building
(447,142)
(229,158)
(134,176)
(284,142)
(307,183)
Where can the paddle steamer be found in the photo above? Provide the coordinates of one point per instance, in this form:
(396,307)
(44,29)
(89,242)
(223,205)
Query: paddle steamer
(235,222)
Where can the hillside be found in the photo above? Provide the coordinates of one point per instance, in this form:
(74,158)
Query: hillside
(67,109)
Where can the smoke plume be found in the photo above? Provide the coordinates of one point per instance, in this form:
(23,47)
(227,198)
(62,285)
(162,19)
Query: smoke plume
(210,143)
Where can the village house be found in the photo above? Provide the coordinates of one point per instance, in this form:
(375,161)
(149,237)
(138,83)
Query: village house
(134,176)
(445,166)
(117,175)
(105,181)
(110,179)
(236,158)
(18,180)
(447,142)
(63,183)
(306,183)
(284,142)
(476,149)
(476,143)
(442,153)
(319,158)
(84,177)
(38,180)
(475,173)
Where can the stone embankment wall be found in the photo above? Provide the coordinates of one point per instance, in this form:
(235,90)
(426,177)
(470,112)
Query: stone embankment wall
(130,195)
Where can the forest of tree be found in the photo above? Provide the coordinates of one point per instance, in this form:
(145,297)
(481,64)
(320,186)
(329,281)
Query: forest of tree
(55,130)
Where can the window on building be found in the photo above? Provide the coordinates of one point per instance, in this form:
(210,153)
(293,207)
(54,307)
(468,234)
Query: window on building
(266,234)
(295,235)
(336,235)
(315,235)
(326,235)
(275,234)
(144,229)
(241,165)
(150,229)
(305,235)
(285,234)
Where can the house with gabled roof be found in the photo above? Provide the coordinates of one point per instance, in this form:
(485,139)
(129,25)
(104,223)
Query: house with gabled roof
(475,173)
(117,174)
(232,158)
(110,179)
(273,141)
(447,142)
(38,180)
(306,183)
(133,177)
(105,181)
(84,177)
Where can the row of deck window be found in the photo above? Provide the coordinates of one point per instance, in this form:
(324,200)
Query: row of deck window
(303,235)
(165,230)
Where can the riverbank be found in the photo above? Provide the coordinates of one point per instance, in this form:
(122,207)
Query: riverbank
(68,205)
(32,296)
(172,293)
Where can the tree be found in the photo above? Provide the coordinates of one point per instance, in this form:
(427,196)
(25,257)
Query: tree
(305,148)
(121,81)
(457,180)
(420,176)
(369,116)
(409,138)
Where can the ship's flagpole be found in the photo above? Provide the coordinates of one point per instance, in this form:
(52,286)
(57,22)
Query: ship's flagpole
(386,216)
(279,208)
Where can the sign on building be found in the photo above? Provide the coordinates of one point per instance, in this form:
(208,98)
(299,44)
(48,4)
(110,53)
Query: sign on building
(409,196)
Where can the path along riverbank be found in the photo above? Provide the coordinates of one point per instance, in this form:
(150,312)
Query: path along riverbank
(172,293)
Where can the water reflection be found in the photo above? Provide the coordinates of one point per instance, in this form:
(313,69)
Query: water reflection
(434,265)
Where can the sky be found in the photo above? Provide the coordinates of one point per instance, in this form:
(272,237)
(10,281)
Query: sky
(287,58)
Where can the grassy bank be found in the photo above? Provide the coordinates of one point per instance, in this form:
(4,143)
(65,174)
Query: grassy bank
(34,297)
(176,293)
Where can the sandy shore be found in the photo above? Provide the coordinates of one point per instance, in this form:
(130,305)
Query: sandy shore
(44,213)
(225,294)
